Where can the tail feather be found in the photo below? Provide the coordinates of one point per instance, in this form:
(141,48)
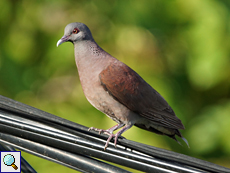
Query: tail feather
(185,140)
(173,136)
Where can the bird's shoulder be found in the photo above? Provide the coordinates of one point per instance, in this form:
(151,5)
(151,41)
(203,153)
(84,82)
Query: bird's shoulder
(119,76)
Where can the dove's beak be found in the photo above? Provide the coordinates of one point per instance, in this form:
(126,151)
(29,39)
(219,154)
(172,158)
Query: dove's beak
(62,40)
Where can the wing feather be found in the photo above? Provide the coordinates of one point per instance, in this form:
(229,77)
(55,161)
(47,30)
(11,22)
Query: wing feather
(127,87)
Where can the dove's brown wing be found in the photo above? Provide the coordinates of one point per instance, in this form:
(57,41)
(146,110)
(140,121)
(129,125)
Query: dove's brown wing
(127,87)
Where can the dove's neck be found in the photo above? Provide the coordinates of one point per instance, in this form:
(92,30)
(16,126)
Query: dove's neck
(90,57)
(87,50)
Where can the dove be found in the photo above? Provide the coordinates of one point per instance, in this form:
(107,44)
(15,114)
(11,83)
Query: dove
(115,89)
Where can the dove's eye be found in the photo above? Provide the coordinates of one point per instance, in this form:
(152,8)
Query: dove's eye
(75,31)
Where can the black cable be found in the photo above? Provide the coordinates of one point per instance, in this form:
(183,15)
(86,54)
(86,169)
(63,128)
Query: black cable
(74,161)
(41,127)
(70,142)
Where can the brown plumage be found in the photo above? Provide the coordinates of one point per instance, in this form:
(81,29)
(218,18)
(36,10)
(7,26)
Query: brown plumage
(115,89)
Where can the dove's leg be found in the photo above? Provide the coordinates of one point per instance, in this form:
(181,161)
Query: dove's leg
(117,135)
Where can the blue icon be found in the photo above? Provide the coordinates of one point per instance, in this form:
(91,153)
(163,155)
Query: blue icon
(9,160)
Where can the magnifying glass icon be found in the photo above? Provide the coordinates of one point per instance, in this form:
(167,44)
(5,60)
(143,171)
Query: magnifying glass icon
(9,160)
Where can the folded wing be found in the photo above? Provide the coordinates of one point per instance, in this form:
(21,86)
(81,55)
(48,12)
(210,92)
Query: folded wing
(127,87)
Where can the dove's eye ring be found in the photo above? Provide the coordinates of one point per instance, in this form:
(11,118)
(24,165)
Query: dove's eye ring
(75,31)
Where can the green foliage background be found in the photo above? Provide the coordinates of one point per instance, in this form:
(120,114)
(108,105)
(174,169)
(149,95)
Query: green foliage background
(179,47)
